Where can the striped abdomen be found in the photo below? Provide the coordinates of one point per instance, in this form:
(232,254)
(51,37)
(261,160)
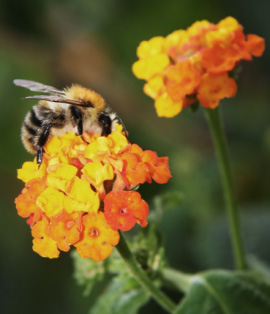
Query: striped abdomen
(37,120)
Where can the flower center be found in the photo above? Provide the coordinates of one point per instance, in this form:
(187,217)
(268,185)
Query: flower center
(69,224)
(123,211)
(94,233)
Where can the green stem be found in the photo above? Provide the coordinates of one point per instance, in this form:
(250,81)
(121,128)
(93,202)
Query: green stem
(217,130)
(141,276)
(177,279)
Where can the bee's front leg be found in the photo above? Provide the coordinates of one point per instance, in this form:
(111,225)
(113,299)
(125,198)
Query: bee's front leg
(106,123)
(40,155)
(42,141)
(78,118)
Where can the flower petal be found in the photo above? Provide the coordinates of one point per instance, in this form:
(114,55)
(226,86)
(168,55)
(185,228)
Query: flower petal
(214,87)
(98,238)
(123,209)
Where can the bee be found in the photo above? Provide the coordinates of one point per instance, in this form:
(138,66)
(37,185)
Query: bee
(75,108)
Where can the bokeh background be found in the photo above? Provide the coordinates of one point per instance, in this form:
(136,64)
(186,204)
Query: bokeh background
(94,43)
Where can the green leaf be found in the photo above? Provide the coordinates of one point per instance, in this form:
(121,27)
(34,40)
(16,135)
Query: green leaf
(123,295)
(148,250)
(259,266)
(225,292)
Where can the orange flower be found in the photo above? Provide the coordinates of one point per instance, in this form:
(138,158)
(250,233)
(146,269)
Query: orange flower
(181,80)
(64,198)
(158,166)
(98,238)
(26,201)
(255,45)
(65,229)
(179,68)
(219,59)
(124,208)
(143,166)
(214,87)
(43,244)
(134,170)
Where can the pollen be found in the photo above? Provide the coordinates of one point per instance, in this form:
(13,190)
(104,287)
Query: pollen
(94,233)
(123,211)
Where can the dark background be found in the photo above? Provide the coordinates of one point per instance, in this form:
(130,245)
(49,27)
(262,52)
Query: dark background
(94,43)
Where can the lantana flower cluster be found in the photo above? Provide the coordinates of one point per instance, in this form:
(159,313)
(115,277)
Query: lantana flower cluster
(83,193)
(194,65)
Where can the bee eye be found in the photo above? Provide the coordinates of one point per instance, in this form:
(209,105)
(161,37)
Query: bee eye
(106,122)
(104,119)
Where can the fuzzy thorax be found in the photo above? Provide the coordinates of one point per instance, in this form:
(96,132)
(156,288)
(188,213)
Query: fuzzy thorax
(78,92)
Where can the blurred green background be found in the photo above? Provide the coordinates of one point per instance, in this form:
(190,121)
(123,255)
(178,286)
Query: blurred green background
(94,43)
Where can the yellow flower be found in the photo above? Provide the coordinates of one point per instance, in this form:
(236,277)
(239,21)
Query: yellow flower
(118,142)
(167,108)
(154,87)
(97,173)
(98,149)
(30,171)
(59,143)
(223,32)
(81,198)
(228,24)
(151,47)
(198,28)
(50,201)
(149,66)
(61,177)
(153,58)
(175,39)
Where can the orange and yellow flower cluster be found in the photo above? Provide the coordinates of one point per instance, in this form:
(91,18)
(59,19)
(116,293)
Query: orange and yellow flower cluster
(194,65)
(82,193)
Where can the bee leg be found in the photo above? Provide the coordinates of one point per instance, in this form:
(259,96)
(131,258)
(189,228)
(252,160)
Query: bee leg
(77,116)
(39,155)
(80,127)
(124,128)
(41,142)
(106,123)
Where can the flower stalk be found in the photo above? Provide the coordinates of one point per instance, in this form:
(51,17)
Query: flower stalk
(217,131)
(141,276)
(176,278)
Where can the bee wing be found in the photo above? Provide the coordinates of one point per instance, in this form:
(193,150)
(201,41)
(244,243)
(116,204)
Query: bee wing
(38,87)
(55,98)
